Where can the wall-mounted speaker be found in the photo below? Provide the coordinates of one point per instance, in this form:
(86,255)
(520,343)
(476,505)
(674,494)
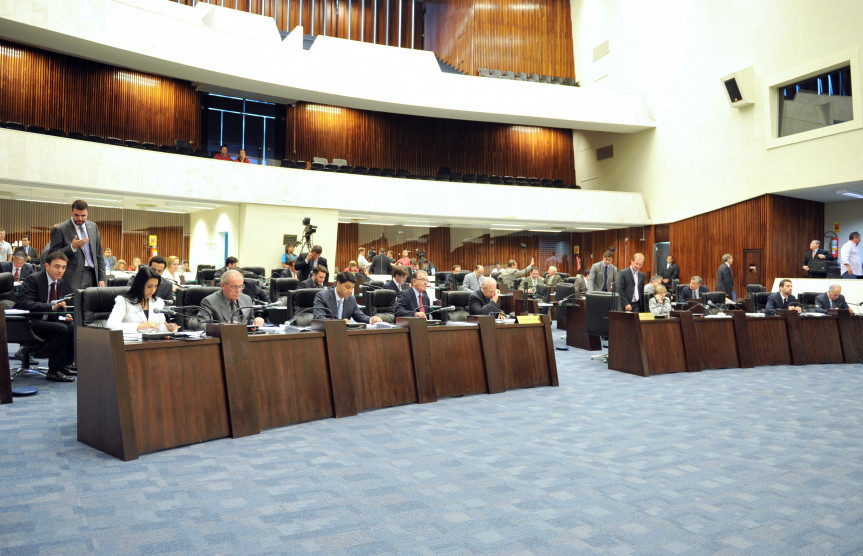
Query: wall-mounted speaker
(740,88)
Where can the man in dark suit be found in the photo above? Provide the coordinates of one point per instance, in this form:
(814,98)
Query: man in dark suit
(724,278)
(79,240)
(30,253)
(485,301)
(815,252)
(339,302)
(43,292)
(694,290)
(228,305)
(19,270)
(165,291)
(230,262)
(316,280)
(306,263)
(398,282)
(256,292)
(670,272)
(833,299)
(381,264)
(415,302)
(782,299)
(630,285)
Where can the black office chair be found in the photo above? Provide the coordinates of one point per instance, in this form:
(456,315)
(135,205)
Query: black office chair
(119,281)
(596,309)
(279,288)
(752,289)
(718,298)
(759,301)
(7,287)
(561,292)
(199,269)
(187,318)
(207,276)
(93,306)
(17,126)
(54,132)
(461,300)
(35,129)
(19,331)
(563,275)
(381,303)
(459,278)
(257,270)
(807,300)
(302,302)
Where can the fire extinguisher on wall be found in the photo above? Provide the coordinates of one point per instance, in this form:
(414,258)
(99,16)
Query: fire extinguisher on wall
(833,242)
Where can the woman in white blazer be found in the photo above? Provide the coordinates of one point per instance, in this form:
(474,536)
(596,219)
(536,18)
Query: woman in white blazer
(138,310)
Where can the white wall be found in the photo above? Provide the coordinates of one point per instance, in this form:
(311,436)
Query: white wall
(262,227)
(703,153)
(205,244)
(849,214)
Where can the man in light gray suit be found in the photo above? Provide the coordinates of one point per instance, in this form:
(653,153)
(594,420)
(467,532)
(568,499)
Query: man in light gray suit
(79,240)
(602,274)
(473,281)
(227,305)
(327,301)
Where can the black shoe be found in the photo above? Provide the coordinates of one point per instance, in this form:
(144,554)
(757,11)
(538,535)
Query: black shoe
(19,355)
(70,370)
(58,376)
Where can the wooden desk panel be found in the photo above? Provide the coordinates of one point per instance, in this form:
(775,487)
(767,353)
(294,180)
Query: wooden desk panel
(177,395)
(576,328)
(657,337)
(821,339)
(292,381)
(524,355)
(717,342)
(456,368)
(382,366)
(769,341)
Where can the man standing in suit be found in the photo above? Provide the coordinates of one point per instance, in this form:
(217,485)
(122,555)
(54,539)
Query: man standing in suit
(30,253)
(79,240)
(473,281)
(508,275)
(415,301)
(724,278)
(670,272)
(833,299)
(339,302)
(228,305)
(165,291)
(602,274)
(781,299)
(316,280)
(381,264)
(630,285)
(485,301)
(397,283)
(43,292)
(815,252)
(306,264)
(694,290)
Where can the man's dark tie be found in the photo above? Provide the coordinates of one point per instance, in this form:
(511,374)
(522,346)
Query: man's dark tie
(233,309)
(605,280)
(15,277)
(785,303)
(52,292)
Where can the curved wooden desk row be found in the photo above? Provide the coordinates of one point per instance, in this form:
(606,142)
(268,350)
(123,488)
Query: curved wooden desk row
(142,397)
(687,343)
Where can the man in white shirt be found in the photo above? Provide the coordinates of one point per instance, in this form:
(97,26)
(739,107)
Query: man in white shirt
(5,248)
(849,257)
(361,258)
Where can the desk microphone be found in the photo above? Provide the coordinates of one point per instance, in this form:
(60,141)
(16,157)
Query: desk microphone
(174,310)
(306,310)
(562,301)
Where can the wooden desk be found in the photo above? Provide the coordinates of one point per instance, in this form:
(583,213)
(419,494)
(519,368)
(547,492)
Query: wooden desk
(5,371)
(690,343)
(576,328)
(142,397)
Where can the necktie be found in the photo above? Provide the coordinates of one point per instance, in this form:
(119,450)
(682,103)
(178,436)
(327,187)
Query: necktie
(341,306)
(15,276)
(635,279)
(605,280)
(420,304)
(87,254)
(233,309)
(52,292)
(831,303)
(785,303)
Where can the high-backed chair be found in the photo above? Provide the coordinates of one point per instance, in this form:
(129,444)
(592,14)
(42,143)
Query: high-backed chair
(381,303)
(119,280)
(199,269)
(718,298)
(187,318)
(759,301)
(807,300)
(561,292)
(7,287)
(93,306)
(673,287)
(461,301)
(597,305)
(207,276)
(302,302)
(459,278)
(279,288)
(752,289)
(257,270)
(19,330)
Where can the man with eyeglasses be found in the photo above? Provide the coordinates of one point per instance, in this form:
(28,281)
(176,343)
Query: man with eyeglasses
(227,305)
(415,302)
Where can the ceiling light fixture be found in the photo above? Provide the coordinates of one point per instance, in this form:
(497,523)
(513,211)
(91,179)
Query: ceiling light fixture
(850,193)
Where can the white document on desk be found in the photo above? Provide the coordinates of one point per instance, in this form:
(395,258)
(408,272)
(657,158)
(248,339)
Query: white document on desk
(381,325)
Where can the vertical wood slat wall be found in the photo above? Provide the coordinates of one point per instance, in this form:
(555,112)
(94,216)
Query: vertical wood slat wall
(422,145)
(358,23)
(57,91)
(533,37)
(124,231)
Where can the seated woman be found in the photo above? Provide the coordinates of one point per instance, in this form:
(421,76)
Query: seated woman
(172,272)
(660,305)
(121,265)
(136,262)
(137,311)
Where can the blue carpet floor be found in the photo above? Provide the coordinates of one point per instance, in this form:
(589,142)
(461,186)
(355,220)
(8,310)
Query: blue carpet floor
(757,461)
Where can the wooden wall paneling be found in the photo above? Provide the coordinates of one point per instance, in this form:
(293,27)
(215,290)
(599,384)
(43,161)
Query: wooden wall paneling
(791,225)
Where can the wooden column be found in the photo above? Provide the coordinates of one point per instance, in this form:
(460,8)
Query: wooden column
(338,360)
(5,372)
(846,335)
(691,347)
(795,336)
(490,352)
(744,340)
(549,345)
(236,356)
(421,351)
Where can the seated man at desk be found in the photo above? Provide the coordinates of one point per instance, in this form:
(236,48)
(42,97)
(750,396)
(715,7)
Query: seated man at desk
(694,290)
(316,280)
(833,299)
(226,305)
(484,302)
(415,302)
(529,284)
(19,269)
(451,279)
(397,284)
(43,292)
(339,302)
(782,299)
(553,277)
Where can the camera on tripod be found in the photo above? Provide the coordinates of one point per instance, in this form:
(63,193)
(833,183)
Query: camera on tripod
(309,229)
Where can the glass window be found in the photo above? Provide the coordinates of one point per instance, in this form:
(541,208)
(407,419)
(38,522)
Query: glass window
(815,102)
(242,124)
